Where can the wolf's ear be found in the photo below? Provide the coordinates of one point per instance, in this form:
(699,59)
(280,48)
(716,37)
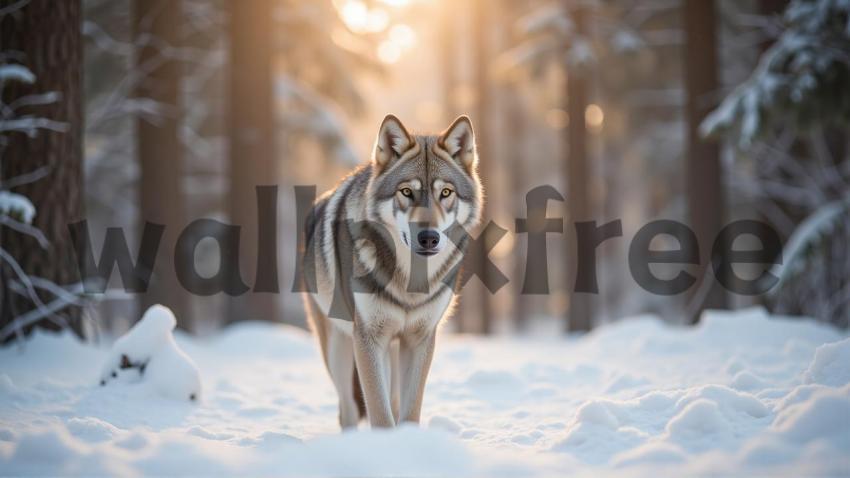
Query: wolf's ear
(393,140)
(459,141)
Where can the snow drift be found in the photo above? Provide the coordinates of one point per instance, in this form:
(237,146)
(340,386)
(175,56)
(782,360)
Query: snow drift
(740,394)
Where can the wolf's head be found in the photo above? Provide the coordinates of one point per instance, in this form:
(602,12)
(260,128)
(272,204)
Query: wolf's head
(422,186)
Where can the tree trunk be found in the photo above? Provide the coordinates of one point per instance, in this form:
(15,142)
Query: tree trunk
(481,117)
(580,312)
(47,35)
(160,152)
(704,175)
(516,128)
(448,82)
(252,161)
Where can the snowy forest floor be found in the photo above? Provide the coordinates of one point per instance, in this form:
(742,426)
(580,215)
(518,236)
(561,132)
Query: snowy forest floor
(739,394)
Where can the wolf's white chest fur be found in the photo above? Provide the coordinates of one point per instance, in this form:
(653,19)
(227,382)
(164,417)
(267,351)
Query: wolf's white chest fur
(397,320)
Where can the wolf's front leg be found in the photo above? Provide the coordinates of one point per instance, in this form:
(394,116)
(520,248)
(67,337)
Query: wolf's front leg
(372,359)
(415,355)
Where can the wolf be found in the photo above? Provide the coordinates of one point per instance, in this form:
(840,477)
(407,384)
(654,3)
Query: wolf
(383,250)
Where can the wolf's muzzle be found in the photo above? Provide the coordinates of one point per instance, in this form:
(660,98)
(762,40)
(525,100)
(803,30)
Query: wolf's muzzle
(428,240)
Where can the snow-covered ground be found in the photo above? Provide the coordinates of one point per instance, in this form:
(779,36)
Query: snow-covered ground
(740,394)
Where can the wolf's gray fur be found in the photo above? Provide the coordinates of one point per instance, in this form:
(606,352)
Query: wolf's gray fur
(385,230)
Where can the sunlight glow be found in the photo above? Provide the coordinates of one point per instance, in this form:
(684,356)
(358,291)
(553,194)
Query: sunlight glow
(389,51)
(361,19)
(396,3)
(403,35)
(594,117)
(400,38)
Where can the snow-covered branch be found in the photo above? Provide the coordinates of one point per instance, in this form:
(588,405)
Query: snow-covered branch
(41,310)
(800,79)
(810,231)
(30,125)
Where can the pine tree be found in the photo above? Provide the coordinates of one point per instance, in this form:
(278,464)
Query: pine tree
(44,36)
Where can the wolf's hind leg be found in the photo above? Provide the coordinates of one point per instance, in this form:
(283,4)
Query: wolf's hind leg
(341,368)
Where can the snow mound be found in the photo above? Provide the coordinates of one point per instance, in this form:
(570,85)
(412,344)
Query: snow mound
(731,401)
(699,420)
(826,414)
(831,365)
(148,353)
(48,452)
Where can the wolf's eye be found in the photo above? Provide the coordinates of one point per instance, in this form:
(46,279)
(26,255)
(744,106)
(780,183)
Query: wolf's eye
(407,192)
(446,192)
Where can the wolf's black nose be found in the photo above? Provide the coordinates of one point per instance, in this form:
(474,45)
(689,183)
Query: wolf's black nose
(428,239)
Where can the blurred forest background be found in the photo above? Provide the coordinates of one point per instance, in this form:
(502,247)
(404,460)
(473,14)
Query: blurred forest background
(126,111)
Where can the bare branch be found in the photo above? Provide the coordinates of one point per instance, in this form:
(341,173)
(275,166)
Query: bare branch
(33,316)
(31,293)
(25,178)
(59,291)
(13,7)
(27,229)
